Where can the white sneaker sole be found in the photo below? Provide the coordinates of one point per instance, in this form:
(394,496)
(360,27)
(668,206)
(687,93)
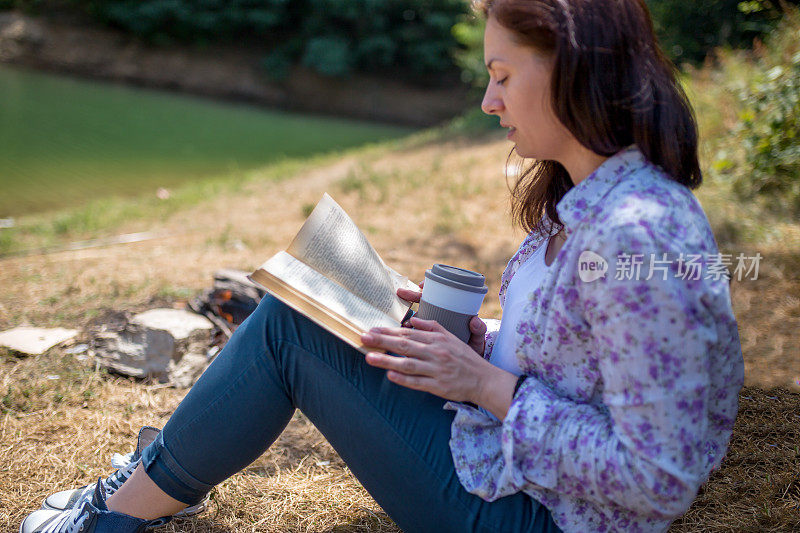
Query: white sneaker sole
(186,513)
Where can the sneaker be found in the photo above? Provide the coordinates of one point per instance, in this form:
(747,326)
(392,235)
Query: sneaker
(125,465)
(91,515)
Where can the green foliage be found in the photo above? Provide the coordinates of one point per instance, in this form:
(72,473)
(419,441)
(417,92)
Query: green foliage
(329,55)
(333,37)
(468,32)
(769,125)
(690,29)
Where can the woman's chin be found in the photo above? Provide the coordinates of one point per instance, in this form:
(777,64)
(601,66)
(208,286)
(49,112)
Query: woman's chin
(532,153)
(524,152)
(523,149)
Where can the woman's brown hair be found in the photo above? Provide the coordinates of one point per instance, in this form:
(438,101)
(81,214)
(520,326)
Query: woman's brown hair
(612,87)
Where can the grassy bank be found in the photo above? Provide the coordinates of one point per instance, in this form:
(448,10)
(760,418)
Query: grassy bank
(109,215)
(437,196)
(63,140)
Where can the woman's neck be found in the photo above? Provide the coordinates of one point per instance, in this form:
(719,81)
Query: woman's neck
(579,161)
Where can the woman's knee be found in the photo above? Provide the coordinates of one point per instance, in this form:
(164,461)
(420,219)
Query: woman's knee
(251,339)
(272,321)
(284,331)
(273,314)
(268,308)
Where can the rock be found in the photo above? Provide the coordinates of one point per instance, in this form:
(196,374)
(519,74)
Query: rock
(185,372)
(179,324)
(19,35)
(78,349)
(148,343)
(21,29)
(35,341)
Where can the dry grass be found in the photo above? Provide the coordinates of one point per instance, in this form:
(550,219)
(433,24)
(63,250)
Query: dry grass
(62,432)
(757,488)
(433,201)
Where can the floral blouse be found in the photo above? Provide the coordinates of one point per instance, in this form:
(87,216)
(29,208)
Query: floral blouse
(634,370)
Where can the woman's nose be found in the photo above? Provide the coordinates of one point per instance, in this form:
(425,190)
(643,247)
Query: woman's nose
(491,104)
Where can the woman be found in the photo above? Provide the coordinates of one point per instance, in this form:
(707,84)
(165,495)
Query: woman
(601,403)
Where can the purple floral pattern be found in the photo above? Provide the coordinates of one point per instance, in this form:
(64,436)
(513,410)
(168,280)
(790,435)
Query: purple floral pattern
(633,383)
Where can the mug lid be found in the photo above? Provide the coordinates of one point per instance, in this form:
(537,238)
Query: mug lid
(458,278)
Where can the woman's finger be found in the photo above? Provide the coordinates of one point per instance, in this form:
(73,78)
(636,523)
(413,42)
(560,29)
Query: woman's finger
(423,383)
(477,336)
(409,295)
(426,325)
(404,365)
(399,344)
(419,335)
(477,326)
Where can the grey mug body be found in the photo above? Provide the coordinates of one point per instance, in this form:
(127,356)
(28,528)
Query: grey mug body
(455,323)
(451,297)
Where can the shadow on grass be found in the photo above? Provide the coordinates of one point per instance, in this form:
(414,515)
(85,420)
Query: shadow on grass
(757,487)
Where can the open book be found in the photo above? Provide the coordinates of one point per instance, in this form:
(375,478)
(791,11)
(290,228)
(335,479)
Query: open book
(331,274)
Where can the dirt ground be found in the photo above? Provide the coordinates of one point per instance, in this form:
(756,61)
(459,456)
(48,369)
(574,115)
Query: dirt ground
(428,202)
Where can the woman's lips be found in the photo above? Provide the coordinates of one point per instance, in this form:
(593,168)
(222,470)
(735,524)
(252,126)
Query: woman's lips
(511,131)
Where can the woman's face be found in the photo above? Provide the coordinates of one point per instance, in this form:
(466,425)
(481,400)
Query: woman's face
(519,93)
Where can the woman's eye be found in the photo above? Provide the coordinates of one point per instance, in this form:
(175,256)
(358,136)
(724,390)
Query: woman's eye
(501,82)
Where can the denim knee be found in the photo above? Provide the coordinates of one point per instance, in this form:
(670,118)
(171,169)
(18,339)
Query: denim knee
(277,322)
(253,334)
(272,312)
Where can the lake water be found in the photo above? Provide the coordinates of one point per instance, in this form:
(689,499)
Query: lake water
(64,141)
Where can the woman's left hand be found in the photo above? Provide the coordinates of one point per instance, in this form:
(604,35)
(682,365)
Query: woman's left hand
(435,361)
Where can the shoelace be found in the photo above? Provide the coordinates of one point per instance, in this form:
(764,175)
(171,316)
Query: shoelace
(70,521)
(119,460)
(125,468)
(112,483)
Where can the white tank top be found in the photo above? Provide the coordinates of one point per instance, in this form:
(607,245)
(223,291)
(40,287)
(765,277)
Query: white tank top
(528,277)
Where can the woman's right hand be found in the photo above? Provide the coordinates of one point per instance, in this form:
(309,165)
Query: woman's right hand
(477,327)
(410,295)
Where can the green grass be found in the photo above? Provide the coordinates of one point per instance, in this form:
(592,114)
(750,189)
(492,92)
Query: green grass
(105,215)
(64,142)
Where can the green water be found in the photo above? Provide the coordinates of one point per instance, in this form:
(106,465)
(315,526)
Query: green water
(65,141)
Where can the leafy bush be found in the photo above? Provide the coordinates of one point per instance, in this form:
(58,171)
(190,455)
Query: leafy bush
(690,29)
(468,31)
(769,124)
(410,38)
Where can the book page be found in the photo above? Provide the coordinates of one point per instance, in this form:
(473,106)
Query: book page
(302,278)
(331,243)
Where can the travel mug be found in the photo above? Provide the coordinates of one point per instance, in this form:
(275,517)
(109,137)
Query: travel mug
(452,296)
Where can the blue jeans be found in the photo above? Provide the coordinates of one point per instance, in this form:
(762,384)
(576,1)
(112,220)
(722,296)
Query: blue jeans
(394,439)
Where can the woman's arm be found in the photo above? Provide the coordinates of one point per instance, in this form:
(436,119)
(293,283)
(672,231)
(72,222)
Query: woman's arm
(495,391)
(647,448)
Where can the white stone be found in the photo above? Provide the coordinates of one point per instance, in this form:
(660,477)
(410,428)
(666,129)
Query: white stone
(184,373)
(151,343)
(35,341)
(178,323)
